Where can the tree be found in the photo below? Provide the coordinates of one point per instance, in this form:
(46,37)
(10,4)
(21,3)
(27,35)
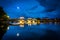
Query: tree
(3,24)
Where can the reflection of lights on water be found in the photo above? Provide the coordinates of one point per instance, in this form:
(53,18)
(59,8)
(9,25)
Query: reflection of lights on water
(17,34)
(50,22)
(38,21)
(21,25)
(55,23)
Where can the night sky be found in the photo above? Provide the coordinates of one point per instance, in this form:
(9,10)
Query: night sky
(34,9)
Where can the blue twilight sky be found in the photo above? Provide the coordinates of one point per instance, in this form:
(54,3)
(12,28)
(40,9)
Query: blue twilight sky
(33,9)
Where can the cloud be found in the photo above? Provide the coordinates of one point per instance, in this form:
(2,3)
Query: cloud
(50,5)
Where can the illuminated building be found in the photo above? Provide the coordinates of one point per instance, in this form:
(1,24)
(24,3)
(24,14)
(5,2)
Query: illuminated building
(21,21)
(34,21)
(29,21)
